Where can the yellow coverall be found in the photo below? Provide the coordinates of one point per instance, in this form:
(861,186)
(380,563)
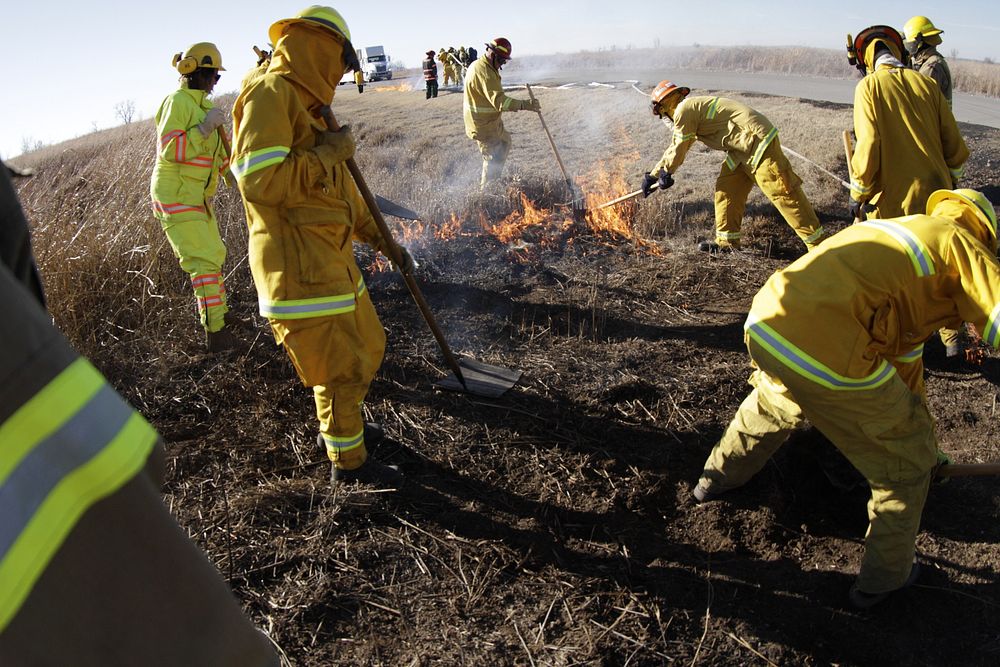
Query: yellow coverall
(447,71)
(483,101)
(753,156)
(836,338)
(908,144)
(185,178)
(303,216)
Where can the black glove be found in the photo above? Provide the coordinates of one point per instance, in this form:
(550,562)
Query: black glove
(647,184)
(856,209)
(665,180)
(406,261)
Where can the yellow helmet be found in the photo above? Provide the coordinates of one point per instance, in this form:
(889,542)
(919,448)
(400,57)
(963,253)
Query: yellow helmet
(919,25)
(327,17)
(976,200)
(202,54)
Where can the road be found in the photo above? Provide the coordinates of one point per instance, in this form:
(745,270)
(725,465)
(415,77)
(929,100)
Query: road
(968,108)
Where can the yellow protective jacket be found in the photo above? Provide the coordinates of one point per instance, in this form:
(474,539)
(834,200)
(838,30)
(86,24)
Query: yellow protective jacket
(188,165)
(484,100)
(908,143)
(864,302)
(301,216)
(931,63)
(719,123)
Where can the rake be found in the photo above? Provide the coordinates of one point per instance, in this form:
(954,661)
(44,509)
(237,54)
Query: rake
(579,209)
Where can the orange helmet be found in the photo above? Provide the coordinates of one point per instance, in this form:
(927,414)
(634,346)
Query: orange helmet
(859,51)
(663,90)
(500,46)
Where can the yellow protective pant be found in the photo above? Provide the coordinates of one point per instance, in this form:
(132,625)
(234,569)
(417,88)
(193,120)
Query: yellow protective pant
(887,433)
(781,185)
(494,156)
(338,357)
(199,247)
(449,74)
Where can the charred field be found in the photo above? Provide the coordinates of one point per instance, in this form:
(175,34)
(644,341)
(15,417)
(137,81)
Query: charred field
(554,525)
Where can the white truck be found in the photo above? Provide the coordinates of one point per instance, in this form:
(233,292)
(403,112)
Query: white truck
(374,63)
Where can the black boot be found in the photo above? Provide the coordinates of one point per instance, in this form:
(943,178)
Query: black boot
(220,341)
(371,472)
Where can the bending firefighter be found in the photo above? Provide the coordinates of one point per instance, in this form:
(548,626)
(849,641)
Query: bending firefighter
(921,40)
(86,543)
(908,144)
(304,211)
(190,160)
(482,104)
(837,338)
(753,155)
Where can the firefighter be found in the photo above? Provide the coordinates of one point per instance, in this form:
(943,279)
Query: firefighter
(190,160)
(908,143)
(303,210)
(446,69)
(359,80)
(483,102)
(921,40)
(458,67)
(836,338)
(753,155)
(88,546)
(430,75)
(463,57)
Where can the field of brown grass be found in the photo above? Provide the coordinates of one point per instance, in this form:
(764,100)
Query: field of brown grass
(553,526)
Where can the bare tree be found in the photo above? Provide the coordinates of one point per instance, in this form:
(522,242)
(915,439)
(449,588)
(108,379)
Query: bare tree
(125,111)
(30,144)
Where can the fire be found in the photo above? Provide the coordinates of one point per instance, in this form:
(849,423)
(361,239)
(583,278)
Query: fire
(514,226)
(403,87)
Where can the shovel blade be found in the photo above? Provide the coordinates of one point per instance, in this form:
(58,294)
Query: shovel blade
(481,379)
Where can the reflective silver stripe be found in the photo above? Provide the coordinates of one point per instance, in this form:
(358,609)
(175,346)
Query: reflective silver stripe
(993,328)
(81,438)
(765,142)
(713,109)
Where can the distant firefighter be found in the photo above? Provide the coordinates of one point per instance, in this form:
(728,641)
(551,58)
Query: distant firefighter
(190,161)
(753,156)
(447,70)
(921,40)
(430,75)
(359,80)
(482,104)
(908,144)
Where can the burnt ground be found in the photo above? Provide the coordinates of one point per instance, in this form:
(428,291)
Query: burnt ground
(555,525)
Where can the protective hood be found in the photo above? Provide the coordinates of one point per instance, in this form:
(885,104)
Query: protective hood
(965,216)
(310,57)
(873,46)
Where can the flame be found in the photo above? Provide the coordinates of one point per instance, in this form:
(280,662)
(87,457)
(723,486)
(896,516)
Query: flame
(404,87)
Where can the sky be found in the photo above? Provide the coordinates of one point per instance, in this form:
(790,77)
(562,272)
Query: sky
(71,63)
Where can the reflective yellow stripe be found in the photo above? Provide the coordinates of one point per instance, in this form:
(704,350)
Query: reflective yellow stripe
(339,445)
(859,188)
(801,363)
(73,443)
(259,159)
(731,163)
(713,109)
(815,236)
(913,355)
(758,154)
(919,256)
(506,103)
(993,328)
(321,306)
(958,172)
(680,136)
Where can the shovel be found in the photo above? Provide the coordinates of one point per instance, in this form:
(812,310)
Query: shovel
(849,152)
(226,146)
(579,210)
(630,195)
(968,469)
(471,376)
